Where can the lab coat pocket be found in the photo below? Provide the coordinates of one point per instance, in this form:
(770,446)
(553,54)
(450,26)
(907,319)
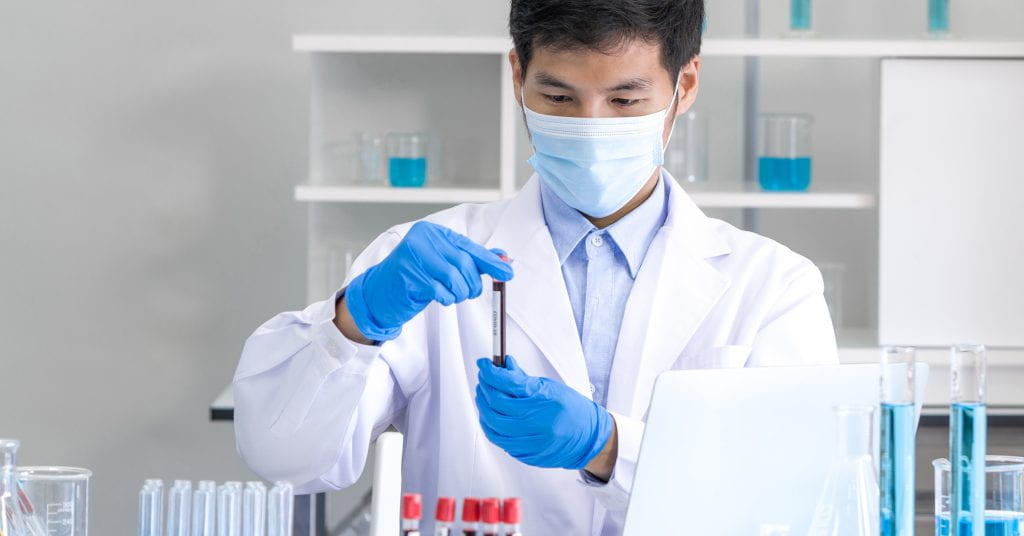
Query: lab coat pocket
(729,356)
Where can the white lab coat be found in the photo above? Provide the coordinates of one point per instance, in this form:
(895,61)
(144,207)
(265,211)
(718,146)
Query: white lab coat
(308,401)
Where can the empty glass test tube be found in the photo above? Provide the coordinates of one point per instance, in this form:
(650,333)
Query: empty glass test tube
(179,508)
(280,504)
(254,509)
(151,508)
(229,509)
(204,508)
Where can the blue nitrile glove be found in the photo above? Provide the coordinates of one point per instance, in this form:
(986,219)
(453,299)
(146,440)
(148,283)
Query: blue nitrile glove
(432,263)
(539,421)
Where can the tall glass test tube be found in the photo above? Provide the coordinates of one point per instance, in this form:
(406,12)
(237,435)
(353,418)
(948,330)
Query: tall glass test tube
(897,441)
(967,430)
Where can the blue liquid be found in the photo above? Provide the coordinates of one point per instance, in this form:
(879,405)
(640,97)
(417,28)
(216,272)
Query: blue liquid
(967,429)
(407,171)
(938,16)
(996,524)
(784,174)
(800,14)
(897,470)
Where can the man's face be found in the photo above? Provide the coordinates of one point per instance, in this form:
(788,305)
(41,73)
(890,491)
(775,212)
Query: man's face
(628,81)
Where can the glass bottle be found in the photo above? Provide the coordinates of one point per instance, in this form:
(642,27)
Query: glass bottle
(898,429)
(8,486)
(848,503)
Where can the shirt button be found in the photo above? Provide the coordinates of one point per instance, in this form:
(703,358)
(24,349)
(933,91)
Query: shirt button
(593,389)
(597,240)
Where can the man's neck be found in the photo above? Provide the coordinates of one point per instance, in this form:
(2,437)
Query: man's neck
(636,201)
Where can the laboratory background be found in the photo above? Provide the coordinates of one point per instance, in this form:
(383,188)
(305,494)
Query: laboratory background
(173,174)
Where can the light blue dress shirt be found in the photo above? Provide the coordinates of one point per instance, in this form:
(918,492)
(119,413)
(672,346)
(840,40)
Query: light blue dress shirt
(599,267)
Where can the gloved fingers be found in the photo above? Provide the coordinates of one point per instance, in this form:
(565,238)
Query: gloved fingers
(439,268)
(499,403)
(512,381)
(487,261)
(462,262)
(441,293)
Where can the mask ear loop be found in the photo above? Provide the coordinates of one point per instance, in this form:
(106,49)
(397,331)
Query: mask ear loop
(672,128)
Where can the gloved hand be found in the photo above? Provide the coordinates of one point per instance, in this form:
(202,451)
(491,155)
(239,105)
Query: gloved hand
(539,421)
(431,263)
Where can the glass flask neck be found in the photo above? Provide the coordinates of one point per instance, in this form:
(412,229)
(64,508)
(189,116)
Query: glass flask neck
(854,427)
(8,465)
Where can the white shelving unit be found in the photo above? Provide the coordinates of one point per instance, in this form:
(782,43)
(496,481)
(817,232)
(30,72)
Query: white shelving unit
(357,212)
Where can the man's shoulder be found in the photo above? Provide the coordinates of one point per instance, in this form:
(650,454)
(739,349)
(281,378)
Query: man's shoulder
(758,257)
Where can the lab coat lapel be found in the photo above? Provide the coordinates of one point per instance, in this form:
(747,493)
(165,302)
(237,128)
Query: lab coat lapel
(674,291)
(538,301)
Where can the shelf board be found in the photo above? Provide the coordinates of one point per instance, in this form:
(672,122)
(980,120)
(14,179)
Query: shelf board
(864,48)
(384,194)
(792,47)
(760,199)
(405,44)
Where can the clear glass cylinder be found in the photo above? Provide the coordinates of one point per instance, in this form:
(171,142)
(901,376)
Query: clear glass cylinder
(229,509)
(784,152)
(371,157)
(9,516)
(280,509)
(898,429)
(848,503)
(968,428)
(686,156)
(254,509)
(179,508)
(407,158)
(57,498)
(204,508)
(1004,497)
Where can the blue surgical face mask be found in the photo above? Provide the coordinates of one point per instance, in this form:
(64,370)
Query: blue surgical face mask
(596,164)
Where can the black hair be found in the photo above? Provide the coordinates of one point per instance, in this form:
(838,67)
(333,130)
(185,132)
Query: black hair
(603,25)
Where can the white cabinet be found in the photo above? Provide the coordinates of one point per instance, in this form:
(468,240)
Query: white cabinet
(952,202)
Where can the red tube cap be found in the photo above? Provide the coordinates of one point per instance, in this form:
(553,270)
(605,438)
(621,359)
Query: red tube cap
(445,510)
(412,506)
(492,510)
(471,509)
(511,510)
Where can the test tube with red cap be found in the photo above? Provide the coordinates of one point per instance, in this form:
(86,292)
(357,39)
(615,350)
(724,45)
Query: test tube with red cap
(491,509)
(511,515)
(412,511)
(470,516)
(444,516)
(498,320)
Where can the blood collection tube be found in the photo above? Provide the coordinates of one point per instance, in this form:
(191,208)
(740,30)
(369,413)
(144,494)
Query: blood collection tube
(511,515)
(470,516)
(444,516)
(412,511)
(498,320)
(491,508)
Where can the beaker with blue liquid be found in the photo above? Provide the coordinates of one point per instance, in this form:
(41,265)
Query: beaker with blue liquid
(1004,498)
(407,159)
(938,17)
(898,427)
(800,16)
(784,155)
(968,428)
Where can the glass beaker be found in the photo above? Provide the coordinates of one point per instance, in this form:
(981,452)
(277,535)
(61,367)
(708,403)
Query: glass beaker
(938,17)
(371,157)
(407,159)
(848,503)
(59,498)
(687,154)
(1004,497)
(784,156)
(800,16)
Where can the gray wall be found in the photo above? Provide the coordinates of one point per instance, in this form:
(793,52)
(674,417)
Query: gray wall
(147,156)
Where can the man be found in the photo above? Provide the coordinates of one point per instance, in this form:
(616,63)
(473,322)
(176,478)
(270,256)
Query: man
(616,276)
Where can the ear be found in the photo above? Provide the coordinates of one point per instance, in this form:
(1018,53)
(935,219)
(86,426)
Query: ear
(689,82)
(517,74)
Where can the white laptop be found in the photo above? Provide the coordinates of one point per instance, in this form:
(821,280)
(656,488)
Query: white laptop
(726,451)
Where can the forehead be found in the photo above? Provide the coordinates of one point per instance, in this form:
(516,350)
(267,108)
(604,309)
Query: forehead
(632,59)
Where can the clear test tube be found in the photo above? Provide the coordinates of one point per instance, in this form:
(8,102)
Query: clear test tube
(470,516)
(967,437)
(204,505)
(491,513)
(229,509)
(280,505)
(412,511)
(511,516)
(898,428)
(151,507)
(444,516)
(179,507)
(254,509)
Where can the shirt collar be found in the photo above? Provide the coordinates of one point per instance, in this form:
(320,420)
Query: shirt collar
(632,234)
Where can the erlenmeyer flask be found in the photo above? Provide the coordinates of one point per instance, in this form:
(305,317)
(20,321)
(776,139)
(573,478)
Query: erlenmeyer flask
(848,504)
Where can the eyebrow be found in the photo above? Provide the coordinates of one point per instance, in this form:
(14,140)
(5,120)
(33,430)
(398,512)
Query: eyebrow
(549,80)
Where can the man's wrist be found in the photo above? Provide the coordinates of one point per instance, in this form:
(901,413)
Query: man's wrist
(603,465)
(346,324)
